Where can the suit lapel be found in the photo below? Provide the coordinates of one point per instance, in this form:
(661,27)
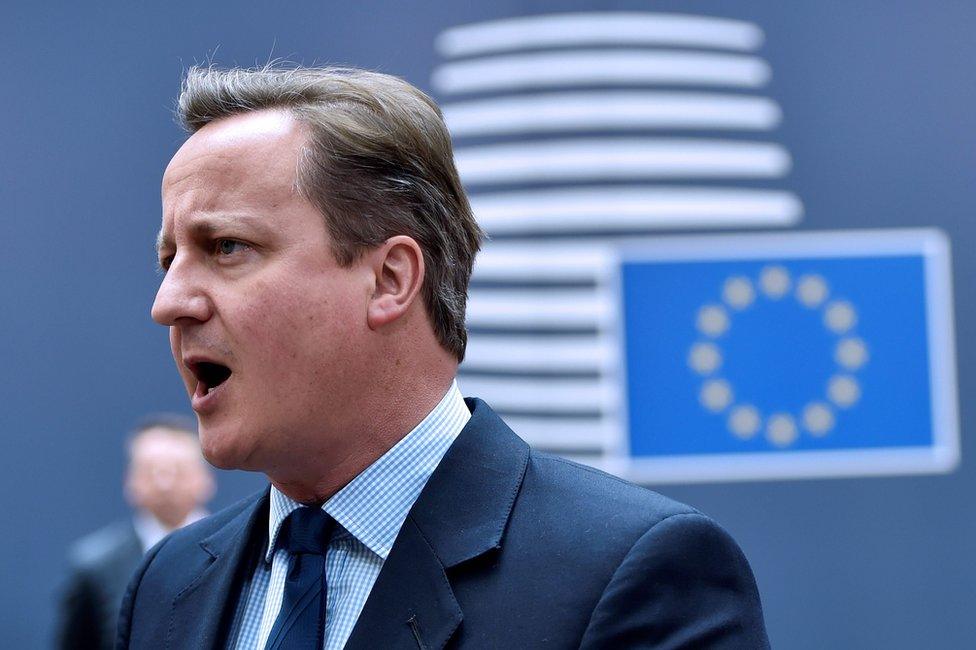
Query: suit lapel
(203,608)
(461,514)
(411,599)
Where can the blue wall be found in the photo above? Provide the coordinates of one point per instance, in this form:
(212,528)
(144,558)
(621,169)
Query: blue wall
(878,99)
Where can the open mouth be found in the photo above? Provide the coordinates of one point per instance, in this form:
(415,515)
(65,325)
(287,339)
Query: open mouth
(210,375)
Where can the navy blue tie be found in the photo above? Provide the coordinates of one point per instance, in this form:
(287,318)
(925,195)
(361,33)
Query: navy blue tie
(300,625)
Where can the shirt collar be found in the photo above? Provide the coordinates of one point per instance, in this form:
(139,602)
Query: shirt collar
(373,506)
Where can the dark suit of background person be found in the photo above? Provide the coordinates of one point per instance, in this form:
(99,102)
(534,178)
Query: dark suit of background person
(317,246)
(167,484)
(101,566)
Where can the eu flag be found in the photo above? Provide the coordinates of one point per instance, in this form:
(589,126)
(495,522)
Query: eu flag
(803,354)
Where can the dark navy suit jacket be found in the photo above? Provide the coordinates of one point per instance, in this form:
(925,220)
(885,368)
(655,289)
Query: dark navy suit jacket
(505,548)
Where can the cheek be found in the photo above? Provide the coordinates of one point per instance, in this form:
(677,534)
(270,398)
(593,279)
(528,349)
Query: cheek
(272,326)
(311,312)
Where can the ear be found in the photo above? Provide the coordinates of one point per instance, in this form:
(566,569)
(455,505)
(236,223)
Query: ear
(398,268)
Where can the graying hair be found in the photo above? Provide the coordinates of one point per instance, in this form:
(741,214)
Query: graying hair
(378,163)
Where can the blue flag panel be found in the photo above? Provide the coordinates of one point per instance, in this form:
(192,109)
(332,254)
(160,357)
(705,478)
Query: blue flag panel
(754,350)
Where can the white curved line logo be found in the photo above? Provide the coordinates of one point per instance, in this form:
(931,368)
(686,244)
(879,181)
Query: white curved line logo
(574,133)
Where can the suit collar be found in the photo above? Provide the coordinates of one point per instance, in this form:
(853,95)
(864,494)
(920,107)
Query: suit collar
(204,606)
(461,513)
(465,506)
(229,538)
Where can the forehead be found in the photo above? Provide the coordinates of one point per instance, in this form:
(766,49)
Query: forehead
(247,158)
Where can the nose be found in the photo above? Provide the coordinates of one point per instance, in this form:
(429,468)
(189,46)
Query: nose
(181,295)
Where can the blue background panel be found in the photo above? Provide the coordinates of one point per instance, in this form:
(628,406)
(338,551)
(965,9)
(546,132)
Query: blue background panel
(778,355)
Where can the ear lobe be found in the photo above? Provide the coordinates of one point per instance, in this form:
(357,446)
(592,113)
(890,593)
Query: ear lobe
(398,267)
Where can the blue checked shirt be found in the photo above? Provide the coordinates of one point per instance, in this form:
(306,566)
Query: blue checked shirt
(370,511)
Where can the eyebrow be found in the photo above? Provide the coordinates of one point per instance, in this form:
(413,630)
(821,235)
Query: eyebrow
(209,224)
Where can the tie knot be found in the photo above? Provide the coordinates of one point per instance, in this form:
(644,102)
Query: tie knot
(306,530)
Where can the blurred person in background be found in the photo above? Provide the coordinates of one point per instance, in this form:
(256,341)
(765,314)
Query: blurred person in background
(167,483)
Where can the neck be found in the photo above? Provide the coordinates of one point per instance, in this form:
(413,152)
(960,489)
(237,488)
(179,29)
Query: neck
(321,473)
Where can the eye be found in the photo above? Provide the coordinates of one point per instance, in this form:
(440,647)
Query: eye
(229,246)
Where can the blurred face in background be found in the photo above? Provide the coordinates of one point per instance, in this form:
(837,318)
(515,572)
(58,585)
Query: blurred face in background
(167,476)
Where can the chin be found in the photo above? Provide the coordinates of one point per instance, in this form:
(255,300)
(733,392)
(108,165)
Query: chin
(222,449)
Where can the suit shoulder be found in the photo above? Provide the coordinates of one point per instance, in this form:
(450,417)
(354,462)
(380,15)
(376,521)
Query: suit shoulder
(590,492)
(590,521)
(680,563)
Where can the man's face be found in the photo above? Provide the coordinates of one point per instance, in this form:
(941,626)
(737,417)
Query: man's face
(266,328)
(166,475)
